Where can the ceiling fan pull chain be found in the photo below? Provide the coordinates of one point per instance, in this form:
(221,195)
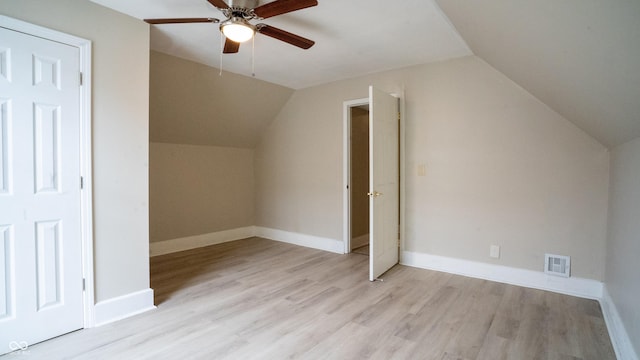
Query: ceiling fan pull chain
(221,50)
(253,56)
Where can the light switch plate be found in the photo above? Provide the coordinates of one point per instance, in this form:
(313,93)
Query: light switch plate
(422,170)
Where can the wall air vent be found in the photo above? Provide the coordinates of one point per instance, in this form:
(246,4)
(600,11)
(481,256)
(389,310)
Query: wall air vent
(559,265)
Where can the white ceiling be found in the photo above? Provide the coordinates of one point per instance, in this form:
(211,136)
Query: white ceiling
(353,38)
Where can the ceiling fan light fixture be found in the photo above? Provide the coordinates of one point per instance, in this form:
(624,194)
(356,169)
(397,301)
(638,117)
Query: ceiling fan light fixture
(237,29)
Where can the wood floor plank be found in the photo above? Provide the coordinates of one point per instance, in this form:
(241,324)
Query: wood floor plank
(477,320)
(262,299)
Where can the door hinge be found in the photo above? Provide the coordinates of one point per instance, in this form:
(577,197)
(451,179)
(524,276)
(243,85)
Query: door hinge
(84,285)
(81,79)
(81,182)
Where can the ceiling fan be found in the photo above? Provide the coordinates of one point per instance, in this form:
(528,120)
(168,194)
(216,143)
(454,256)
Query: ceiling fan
(237,28)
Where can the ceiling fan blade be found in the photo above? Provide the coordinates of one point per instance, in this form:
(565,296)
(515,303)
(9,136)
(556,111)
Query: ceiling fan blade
(279,7)
(285,36)
(181,20)
(220,4)
(230,47)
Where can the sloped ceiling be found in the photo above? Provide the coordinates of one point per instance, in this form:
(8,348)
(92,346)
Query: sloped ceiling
(580,57)
(191,103)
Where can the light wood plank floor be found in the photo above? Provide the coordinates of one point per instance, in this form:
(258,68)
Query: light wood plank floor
(261,299)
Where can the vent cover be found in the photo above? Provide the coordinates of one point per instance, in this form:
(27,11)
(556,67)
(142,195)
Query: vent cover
(559,265)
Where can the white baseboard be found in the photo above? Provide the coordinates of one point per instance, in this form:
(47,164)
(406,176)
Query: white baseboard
(196,241)
(617,332)
(123,306)
(193,242)
(585,288)
(359,241)
(316,242)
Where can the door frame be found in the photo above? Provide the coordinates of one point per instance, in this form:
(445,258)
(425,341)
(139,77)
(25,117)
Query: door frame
(86,197)
(346,170)
(346,180)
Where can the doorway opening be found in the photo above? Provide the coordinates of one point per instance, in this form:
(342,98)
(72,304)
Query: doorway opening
(359,128)
(359,183)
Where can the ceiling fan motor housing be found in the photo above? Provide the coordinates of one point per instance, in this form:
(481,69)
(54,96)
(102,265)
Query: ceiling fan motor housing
(247,4)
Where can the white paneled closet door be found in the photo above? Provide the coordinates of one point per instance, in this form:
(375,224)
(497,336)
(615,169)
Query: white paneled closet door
(40,231)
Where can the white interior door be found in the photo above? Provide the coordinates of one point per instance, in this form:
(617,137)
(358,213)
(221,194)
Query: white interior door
(40,233)
(384,182)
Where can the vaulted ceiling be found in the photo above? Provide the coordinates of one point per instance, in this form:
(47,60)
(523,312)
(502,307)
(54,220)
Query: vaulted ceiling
(191,103)
(580,57)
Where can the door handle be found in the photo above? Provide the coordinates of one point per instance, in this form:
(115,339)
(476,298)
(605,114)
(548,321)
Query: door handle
(374,194)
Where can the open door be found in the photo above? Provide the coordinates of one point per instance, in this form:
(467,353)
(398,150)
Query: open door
(383,182)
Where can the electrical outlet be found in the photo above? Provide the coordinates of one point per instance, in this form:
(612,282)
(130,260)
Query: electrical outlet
(494,251)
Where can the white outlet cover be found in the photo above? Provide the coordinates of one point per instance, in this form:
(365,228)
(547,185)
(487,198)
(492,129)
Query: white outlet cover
(494,251)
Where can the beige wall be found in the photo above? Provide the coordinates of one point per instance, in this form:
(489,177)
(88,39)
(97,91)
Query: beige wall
(205,184)
(199,189)
(120,134)
(623,246)
(359,172)
(502,168)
